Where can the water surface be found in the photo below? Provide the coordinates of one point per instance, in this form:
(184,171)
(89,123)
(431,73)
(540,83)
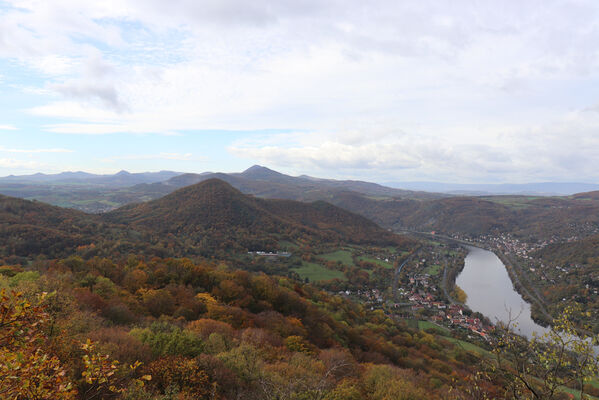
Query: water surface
(491,292)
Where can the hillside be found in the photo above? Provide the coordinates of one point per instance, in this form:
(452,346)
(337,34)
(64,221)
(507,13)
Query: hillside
(30,228)
(538,218)
(206,332)
(199,219)
(213,213)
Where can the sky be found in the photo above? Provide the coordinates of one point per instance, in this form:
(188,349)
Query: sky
(453,91)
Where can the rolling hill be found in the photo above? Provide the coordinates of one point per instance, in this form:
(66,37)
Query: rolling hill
(199,219)
(30,228)
(213,213)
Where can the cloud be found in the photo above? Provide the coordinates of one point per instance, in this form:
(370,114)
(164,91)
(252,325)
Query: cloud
(8,128)
(19,164)
(500,154)
(97,85)
(160,156)
(34,151)
(428,89)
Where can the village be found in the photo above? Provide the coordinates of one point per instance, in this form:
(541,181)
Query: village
(419,296)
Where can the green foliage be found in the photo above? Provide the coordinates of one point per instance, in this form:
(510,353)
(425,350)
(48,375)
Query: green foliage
(26,276)
(542,367)
(165,339)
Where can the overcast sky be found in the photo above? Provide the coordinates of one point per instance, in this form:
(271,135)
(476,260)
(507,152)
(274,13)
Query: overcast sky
(455,91)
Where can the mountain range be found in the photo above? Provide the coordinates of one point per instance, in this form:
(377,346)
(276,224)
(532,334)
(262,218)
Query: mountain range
(538,216)
(524,189)
(102,193)
(120,179)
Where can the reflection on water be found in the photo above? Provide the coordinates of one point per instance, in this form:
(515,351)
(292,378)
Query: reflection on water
(491,292)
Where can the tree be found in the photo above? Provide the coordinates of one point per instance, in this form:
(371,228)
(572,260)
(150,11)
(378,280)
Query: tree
(27,369)
(541,368)
(30,370)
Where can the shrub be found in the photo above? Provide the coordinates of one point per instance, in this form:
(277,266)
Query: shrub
(165,339)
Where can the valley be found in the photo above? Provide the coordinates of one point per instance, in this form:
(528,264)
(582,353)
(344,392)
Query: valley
(224,266)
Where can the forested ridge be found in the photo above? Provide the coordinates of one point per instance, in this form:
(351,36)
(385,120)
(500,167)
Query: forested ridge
(206,219)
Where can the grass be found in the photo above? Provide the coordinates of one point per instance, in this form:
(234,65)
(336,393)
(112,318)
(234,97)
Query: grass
(382,263)
(433,269)
(470,347)
(424,325)
(412,323)
(343,256)
(316,272)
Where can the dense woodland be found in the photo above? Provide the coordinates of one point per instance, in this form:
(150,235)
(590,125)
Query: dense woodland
(203,330)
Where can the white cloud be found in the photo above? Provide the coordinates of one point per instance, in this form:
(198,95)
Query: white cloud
(8,128)
(160,156)
(19,164)
(505,153)
(456,89)
(34,151)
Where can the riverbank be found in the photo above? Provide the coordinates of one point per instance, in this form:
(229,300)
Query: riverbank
(521,284)
(539,312)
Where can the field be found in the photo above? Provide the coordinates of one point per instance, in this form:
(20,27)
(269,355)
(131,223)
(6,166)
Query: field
(424,325)
(382,263)
(343,256)
(433,269)
(316,272)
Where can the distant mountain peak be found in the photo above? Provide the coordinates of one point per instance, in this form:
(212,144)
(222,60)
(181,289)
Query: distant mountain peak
(122,173)
(260,172)
(258,168)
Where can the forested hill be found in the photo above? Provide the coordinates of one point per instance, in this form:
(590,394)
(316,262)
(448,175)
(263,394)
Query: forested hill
(208,218)
(215,211)
(536,217)
(31,228)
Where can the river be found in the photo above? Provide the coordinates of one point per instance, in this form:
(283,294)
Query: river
(491,292)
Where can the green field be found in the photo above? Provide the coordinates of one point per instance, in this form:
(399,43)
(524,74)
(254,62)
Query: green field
(470,347)
(433,269)
(424,325)
(316,272)
(343,256)
(373,260)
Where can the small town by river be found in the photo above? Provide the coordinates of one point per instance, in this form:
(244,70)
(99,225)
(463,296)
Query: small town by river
(491,292)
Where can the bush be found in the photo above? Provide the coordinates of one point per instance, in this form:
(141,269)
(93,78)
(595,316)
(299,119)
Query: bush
(165,339)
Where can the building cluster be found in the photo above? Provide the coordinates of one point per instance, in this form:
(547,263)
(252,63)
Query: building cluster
(452,315)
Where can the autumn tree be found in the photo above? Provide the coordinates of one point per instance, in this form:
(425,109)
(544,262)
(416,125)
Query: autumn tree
(27,369)
(542,367)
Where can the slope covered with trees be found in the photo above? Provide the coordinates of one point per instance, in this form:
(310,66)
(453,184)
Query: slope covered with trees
(214,211)
(208,218)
